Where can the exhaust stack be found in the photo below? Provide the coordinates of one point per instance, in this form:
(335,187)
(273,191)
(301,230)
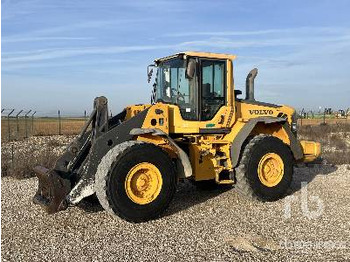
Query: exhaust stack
(249,84)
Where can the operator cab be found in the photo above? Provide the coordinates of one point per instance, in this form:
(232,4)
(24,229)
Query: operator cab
(196,82)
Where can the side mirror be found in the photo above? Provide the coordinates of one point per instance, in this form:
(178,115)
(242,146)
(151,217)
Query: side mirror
(150,72)
(237,92)
(191,68)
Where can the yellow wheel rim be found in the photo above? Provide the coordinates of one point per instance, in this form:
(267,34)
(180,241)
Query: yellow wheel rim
(270,169)
(143,183)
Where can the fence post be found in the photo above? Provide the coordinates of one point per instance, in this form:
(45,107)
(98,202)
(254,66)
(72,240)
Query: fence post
(85,115)
(324,116)
(12,158)
(33,123)
(17,122)
(25,121)
(59,122)
(8,123)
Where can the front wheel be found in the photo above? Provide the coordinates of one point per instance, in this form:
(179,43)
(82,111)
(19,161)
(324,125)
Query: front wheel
(265,170)
(140,183)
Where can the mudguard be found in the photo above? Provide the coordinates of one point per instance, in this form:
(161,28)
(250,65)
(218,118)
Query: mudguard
(184,165)
(236,146)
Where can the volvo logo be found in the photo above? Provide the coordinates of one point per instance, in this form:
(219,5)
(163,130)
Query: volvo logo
(261,112)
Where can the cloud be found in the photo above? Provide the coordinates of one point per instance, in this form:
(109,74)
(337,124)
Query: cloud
(42,38)
(12,9)
(313,42)
(48,54)
(64,64)
(298,30)
(47,32)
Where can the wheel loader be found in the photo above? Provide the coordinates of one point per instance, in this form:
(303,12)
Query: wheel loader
(197,127)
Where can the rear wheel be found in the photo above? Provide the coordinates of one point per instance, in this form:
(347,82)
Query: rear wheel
(139,184)
(265,170)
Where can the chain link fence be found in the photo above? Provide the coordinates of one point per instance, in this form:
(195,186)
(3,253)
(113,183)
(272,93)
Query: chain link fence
(326,116)
(20,124)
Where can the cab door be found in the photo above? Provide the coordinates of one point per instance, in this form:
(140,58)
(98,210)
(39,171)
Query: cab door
(212,88)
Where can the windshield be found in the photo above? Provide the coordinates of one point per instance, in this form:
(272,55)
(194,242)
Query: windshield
(172,86)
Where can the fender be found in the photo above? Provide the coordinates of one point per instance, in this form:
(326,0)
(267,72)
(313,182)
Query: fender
(184,165)
(242,135)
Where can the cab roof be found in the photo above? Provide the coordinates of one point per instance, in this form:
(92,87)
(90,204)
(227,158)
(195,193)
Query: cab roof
(197,54)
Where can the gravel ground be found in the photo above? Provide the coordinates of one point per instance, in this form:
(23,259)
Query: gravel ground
(35,144)
(214,225)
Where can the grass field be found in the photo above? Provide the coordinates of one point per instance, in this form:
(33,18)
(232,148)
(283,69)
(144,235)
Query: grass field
(39,127)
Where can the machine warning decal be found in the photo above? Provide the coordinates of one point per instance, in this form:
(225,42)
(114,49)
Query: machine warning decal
(261,112)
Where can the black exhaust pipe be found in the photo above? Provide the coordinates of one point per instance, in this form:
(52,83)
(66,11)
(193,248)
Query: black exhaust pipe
(249,84)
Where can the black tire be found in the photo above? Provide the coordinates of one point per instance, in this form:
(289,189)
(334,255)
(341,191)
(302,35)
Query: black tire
(114,197)
(248,182)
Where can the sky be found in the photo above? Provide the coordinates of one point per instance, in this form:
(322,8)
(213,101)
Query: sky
(62,54)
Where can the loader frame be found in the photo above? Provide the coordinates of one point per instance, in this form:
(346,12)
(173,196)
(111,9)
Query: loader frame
(207,150)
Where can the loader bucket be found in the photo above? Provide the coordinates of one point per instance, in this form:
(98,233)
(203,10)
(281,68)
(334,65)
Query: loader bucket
(52,190)
(72,177)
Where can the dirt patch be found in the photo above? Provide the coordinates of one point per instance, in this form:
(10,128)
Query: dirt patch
(250,243)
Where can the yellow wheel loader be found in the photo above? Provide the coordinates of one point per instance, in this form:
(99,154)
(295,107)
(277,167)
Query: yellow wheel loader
(196,127)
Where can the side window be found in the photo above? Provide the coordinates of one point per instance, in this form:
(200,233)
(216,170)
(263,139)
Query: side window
(213,88)
(184,87)
(173,78)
